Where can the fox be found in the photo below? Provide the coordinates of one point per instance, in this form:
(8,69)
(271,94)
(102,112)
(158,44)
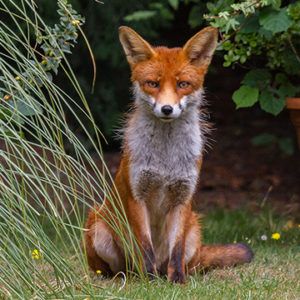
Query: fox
(162,154)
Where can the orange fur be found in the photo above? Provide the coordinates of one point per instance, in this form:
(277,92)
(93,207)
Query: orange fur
(168,232)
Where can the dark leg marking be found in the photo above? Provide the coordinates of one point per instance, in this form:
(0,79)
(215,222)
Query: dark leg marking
(176,264)
(163,269)
(149,259)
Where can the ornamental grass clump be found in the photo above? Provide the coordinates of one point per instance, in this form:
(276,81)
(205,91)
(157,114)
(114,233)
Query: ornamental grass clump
(44,191)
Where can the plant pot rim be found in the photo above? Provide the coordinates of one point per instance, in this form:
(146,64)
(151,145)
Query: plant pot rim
(293,103)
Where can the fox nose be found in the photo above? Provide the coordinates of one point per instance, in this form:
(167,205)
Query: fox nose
(167,110)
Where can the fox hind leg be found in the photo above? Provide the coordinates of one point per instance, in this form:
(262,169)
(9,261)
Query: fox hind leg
(102,250)
(96,263)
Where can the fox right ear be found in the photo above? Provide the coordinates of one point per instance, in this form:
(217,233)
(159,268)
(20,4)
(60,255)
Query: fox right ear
(135,47)
(200,48)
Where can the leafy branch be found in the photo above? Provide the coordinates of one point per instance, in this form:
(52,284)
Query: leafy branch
(54,42)
(260,32)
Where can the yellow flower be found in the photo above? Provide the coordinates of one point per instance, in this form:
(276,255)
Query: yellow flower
(275,236)
(75,22)
(18,78)
(36,254)
(98,272)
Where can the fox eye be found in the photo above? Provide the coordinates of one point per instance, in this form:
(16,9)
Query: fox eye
(183,84)
(152,84)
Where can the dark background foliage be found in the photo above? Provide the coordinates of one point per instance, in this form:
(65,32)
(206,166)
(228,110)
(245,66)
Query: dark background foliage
(111,95)
(170,25)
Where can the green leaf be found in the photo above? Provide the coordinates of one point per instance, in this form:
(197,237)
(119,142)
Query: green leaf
(231,24)
(275,3)
(286,145)
(275,21)
(25,109)
(270,103)
(174,3)
(245,96)
(195,17)
(265,33)
(250,24)
(140,15)
(257,78)
(287,90)
(211,7)
(281,78)
(294,10)
(227,64)
(290,62)
(263,139)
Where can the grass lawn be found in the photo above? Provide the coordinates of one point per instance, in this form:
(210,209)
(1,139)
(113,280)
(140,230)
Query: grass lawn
(274,273)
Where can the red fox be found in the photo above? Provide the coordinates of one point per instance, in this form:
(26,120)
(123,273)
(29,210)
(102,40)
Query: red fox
(160,166)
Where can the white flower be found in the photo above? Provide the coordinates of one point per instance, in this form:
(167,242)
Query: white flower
(263,237)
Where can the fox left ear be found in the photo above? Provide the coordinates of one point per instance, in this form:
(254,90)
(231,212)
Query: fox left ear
(135,47)
(200,48)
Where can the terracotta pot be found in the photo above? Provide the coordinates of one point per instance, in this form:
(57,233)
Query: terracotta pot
(293,105)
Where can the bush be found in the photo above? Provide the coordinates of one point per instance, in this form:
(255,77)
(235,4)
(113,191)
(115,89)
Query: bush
(264,37)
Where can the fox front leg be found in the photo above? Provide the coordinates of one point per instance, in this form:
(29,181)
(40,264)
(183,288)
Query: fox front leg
(139,219)
(176,219)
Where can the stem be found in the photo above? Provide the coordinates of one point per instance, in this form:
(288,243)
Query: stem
(293,48)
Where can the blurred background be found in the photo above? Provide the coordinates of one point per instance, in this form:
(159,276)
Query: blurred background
(252,156)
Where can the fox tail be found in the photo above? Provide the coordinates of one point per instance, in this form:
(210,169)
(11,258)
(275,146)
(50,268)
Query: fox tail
(221,256)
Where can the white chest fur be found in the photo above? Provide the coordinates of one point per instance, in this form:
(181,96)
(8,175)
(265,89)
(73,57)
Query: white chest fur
(163,157)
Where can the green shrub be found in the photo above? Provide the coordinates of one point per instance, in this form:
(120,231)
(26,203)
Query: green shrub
(264,36)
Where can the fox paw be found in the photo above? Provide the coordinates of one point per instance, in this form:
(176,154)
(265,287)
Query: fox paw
(151,272)
(177,277)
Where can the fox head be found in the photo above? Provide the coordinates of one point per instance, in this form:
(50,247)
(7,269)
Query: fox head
(169,81)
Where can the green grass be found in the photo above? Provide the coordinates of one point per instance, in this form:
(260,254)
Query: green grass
(274,273)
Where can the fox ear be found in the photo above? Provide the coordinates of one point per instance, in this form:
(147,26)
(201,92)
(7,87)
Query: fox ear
(135,47)
(200,48)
